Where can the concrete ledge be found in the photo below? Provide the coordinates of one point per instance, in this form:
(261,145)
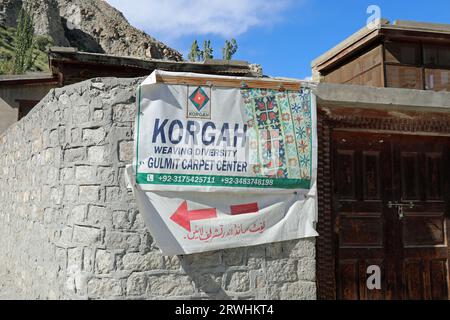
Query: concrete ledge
(343,95)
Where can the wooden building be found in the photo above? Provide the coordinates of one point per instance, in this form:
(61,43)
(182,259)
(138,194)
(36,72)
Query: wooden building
(404,54)
(71,66)
(20,93)
(383,171)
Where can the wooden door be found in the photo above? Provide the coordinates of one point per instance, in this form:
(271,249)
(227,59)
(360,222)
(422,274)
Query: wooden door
(363,226)
(421,176)
(390,209)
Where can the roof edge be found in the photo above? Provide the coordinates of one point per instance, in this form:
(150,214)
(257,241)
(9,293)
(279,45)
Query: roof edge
(383,24)
(355,37)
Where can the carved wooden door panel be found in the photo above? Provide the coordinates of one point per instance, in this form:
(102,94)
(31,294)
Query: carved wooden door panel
(421,177)
(390,208)
(362,225)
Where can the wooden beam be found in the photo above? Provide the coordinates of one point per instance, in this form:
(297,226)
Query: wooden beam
(232,83)
(335,58)
(415,36)
(29,82)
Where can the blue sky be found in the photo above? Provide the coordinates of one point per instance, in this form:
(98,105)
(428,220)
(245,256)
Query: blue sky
(284,36)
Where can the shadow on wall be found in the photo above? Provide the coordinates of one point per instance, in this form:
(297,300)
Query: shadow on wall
(281,270)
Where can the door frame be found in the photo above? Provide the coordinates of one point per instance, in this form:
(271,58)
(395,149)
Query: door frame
(366,120)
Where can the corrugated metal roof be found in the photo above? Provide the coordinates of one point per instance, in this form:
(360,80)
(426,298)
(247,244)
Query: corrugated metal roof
(209,66)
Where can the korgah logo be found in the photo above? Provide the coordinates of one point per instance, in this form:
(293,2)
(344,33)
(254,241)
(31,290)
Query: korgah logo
(199,98)
(199,102)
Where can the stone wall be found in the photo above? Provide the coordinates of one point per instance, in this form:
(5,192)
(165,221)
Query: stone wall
(70,227)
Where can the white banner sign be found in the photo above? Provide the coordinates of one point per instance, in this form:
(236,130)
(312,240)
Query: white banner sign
(220,167)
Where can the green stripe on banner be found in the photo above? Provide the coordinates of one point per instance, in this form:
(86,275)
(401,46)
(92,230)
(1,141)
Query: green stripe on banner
(221,181)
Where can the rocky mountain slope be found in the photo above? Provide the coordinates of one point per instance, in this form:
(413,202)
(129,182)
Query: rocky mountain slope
(89,25)
(48,21)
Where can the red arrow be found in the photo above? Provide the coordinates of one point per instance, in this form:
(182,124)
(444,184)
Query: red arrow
(183,217)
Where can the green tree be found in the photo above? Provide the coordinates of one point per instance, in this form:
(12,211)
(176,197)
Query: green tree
(207,52)
(24,42)
(43,43)
(230,49)
(195,53)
